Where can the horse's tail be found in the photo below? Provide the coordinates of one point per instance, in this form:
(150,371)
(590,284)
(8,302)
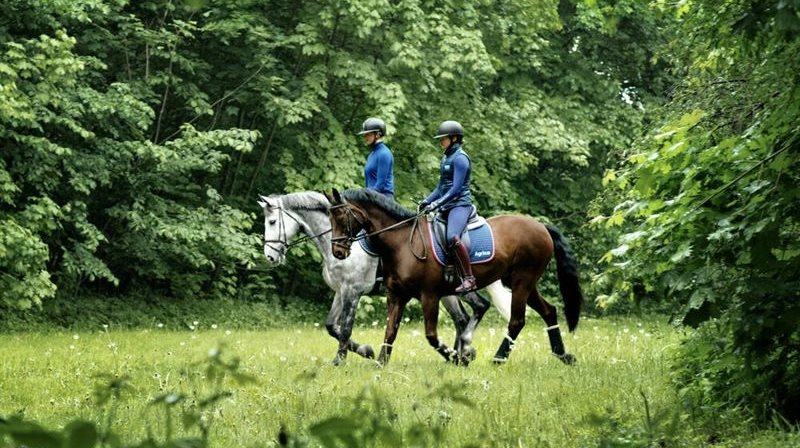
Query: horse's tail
(568,282)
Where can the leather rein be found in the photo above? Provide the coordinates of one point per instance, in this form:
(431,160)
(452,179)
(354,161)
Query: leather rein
(346,241)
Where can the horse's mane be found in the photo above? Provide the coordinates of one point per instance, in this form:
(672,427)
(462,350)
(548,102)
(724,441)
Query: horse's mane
(304,200)
(368,196)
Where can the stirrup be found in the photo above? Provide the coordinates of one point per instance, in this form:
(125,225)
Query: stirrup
(467,285)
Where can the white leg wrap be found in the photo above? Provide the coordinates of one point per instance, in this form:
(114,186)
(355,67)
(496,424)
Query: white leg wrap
(510,342)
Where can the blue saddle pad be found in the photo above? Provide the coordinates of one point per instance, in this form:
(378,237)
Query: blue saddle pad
(364,242)
(481,246)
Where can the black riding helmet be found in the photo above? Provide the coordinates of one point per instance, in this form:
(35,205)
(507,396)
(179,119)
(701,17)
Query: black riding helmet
(373,125)
(448,128)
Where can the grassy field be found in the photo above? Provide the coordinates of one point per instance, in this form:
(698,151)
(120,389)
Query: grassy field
(534,400)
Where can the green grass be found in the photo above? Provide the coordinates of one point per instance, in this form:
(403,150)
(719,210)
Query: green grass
(534,400)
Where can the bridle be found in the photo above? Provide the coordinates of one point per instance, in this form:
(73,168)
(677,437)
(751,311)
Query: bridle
(285,245)
(344,242)
(347,240)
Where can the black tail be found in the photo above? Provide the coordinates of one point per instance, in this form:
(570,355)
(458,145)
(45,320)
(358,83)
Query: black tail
(568,281)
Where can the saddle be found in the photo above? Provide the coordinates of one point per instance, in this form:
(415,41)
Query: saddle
(440,227)
(477,236)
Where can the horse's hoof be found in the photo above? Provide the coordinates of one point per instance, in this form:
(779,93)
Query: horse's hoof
(468,353)
(366,351)
(378,365)
(338,360)
(567,358)
(499,361)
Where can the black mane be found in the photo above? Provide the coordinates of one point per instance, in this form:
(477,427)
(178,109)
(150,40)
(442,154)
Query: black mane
(368,196)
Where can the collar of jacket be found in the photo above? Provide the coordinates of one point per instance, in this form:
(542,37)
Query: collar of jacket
(453,148)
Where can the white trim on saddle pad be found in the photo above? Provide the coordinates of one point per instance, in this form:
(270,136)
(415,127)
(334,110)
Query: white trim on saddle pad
(434,245)
(364,243)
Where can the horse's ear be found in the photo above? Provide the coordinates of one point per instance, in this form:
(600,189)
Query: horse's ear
(263,201)
(337,198)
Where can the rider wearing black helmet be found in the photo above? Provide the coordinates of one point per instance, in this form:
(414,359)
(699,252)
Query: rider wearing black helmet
(452,196)
(379,168)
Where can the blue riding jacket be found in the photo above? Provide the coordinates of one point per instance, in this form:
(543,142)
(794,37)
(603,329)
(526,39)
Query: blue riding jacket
(379,170)
(454,175)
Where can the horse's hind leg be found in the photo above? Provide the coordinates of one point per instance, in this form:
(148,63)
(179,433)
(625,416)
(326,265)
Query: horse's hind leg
(550,316)
(479,306)
(461,320)
(519,295)
(501,299)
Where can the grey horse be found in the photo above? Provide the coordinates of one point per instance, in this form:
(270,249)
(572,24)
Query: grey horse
(287,215)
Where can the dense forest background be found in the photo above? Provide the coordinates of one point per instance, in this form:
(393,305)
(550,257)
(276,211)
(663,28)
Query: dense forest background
(661,136)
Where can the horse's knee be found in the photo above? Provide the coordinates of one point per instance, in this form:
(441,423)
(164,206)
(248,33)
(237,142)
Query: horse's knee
(331,327)
(515,326)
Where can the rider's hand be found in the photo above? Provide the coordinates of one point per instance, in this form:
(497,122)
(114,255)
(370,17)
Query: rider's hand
(430,207)
(421,207)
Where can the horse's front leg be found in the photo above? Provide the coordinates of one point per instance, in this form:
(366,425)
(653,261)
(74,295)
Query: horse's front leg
(395,306)
(430,312)
(332,324)
(349,302)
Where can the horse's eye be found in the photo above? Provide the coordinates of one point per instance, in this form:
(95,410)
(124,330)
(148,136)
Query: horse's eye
(272,221)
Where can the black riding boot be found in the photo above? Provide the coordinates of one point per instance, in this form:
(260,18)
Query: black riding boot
(462,258)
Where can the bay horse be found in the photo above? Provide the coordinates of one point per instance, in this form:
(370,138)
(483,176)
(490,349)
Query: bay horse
(523,249)
(306,212)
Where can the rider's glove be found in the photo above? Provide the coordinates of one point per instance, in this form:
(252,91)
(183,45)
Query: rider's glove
(430,207)
(421,207)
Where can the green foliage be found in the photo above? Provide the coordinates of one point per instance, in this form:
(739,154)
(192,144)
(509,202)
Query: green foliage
(86,197)
(707,207)
(661,428)
(255,310)
(22,259)
(718,375)
(196,412)
(372,421)
(122,123)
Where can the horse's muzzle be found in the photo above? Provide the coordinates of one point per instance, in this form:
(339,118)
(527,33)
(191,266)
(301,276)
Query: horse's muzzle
(340,253)
(340,250)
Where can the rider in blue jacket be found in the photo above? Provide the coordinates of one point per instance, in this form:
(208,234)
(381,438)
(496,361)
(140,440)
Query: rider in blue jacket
(452,196)
(379,169)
